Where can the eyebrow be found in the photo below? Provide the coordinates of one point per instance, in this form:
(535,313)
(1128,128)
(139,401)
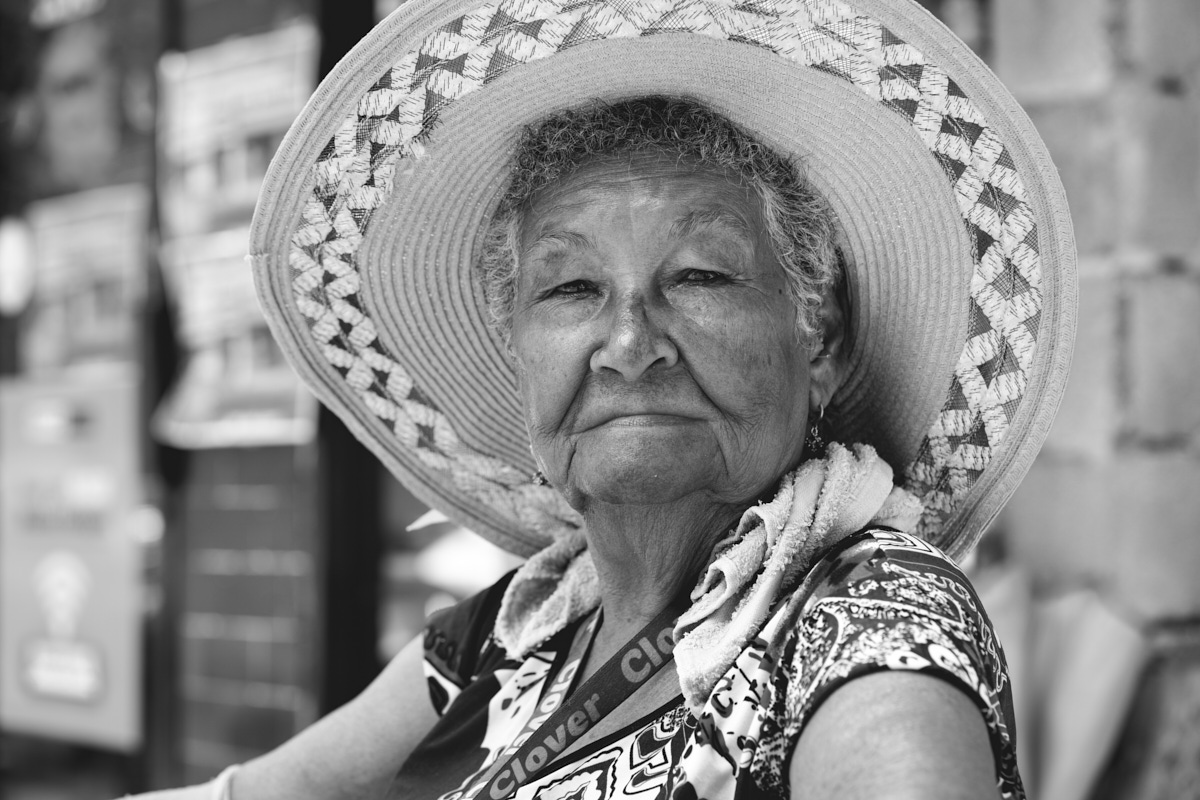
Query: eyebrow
(570,239)
(693,221)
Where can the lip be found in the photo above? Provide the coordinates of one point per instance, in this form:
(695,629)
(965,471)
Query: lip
(641,420)
(645,421)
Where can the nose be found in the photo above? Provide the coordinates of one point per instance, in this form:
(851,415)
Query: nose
(634,341)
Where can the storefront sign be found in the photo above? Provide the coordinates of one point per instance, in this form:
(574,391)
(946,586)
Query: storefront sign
(70,565)
(89,250)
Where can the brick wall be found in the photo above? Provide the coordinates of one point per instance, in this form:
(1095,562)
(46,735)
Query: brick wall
(248,638)
(1114,500)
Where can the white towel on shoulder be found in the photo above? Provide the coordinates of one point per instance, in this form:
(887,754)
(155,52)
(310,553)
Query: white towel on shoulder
(775,543)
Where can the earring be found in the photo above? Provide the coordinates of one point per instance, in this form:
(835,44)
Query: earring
(814,441)
(538,478)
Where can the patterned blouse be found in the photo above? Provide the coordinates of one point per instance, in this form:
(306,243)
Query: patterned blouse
(878,601)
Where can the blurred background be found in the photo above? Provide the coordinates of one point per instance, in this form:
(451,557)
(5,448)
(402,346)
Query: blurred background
(196,561)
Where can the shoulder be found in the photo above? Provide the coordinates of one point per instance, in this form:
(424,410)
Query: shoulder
(884,565)
(886,601)
(883,593)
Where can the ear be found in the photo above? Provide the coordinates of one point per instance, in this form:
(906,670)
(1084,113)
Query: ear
(829,353)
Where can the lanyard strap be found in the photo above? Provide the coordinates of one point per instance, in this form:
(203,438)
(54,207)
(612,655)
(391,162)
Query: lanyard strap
(645,654)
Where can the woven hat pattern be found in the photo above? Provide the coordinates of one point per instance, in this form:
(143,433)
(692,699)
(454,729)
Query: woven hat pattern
(353,177)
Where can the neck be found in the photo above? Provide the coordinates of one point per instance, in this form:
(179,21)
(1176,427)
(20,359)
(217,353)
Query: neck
(647,556)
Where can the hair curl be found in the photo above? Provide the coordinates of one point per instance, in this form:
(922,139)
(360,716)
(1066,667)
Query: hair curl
(800,224)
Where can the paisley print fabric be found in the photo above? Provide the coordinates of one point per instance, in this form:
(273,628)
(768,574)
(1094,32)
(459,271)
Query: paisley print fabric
(878,601)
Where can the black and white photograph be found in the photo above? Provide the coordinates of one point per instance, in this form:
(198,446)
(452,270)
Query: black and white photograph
(599,399)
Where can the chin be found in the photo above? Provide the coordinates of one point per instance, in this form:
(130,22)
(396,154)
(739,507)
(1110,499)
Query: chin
(650,490)
(645,481)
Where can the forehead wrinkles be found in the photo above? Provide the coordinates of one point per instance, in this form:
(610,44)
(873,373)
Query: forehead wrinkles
(712,219)
(648,170)
(713,216)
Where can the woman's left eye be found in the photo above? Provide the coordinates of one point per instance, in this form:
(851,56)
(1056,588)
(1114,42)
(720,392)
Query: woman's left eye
(702,276)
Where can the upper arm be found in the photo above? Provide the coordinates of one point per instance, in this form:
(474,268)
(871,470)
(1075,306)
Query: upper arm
(354,751)
(894,735)
(892,676)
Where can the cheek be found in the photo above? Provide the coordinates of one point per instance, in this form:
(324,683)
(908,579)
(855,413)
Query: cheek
(547,377)
(770,379)
(751,352)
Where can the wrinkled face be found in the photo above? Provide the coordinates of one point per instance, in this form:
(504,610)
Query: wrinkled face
(655,338)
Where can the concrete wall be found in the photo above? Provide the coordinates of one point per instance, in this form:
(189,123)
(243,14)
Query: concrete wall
(1113,502)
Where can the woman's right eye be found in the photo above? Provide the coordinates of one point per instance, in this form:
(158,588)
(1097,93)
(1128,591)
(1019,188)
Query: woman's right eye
(571,288)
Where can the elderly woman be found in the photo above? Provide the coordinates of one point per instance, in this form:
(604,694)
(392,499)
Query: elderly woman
(708,271)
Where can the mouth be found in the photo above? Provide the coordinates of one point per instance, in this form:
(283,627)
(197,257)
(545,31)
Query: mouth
(617,405)
(638,419)
(645,421)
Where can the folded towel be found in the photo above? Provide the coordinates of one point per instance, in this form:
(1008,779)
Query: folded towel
(771,549)
(765,555)
(555,587)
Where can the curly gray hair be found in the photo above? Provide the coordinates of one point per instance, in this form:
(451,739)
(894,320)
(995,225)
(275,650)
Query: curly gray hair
(800,224)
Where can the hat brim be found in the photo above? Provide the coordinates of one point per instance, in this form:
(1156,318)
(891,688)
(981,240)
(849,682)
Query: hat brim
(954,222)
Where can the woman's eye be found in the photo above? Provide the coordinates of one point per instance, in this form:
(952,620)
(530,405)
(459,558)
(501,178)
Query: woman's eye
(702,276)
(571,288)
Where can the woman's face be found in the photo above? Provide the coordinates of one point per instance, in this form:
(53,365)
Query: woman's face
(655,339)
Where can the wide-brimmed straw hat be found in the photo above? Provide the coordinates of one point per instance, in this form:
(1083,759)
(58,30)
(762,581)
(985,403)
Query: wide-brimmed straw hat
(954,223)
